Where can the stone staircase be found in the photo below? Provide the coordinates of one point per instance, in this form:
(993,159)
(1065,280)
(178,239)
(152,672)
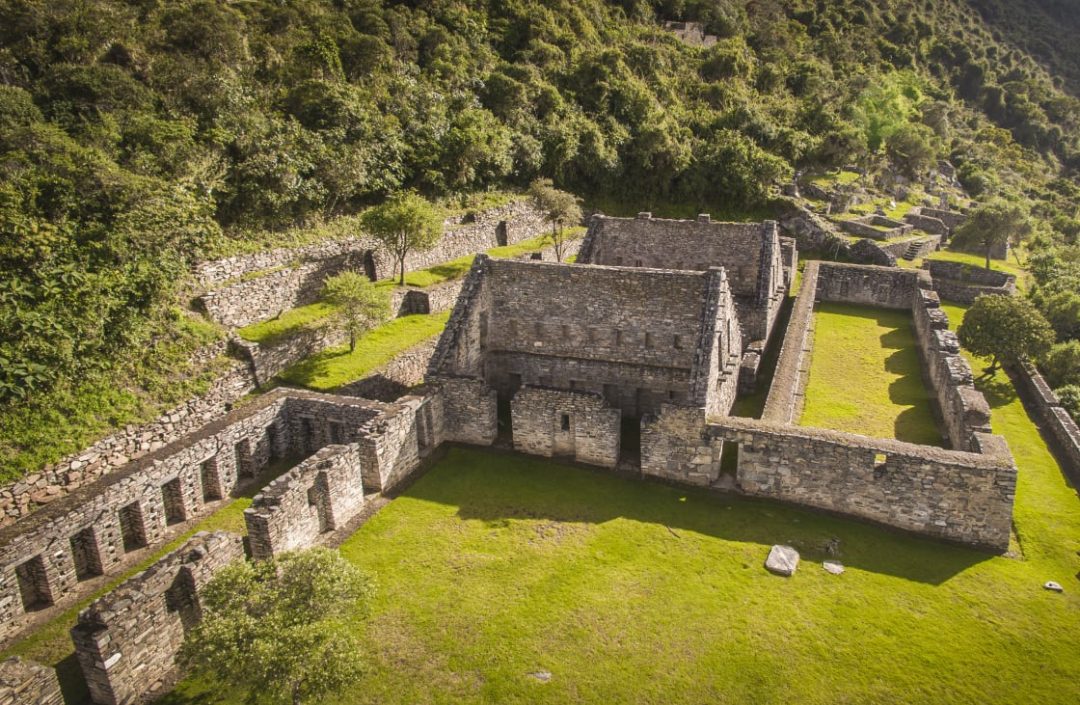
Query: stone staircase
(913,250)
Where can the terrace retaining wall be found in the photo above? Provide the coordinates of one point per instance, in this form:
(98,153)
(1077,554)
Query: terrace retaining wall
(962,283)
(1063,430)
(28,683)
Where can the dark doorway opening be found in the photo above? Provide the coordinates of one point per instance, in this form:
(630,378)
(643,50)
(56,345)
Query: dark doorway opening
(630,443)
(33,584)
(369,266)
(87,556)
(132,528)
(502,232)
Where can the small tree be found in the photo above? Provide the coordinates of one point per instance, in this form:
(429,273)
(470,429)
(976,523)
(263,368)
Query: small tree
(995,223)
(404,223)
(1062,364)
(559,208)
(284,628)
(360,303)
(1006,329)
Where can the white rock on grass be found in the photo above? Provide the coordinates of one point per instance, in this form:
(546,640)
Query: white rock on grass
(1051,585)
(782,560)
(834,567)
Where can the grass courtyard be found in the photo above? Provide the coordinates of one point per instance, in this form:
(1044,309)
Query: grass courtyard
(866,376)
(493,568)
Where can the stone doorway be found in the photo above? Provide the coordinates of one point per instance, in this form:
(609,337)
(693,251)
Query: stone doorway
(630,444)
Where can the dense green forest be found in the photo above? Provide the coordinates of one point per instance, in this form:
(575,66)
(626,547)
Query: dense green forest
(138,136)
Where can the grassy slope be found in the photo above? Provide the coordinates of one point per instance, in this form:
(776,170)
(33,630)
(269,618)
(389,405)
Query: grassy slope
(334,367)
(865,375)
(494,566)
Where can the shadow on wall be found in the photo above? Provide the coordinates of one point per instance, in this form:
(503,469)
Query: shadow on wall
(498,488)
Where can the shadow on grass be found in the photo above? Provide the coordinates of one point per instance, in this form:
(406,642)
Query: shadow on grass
(501,487)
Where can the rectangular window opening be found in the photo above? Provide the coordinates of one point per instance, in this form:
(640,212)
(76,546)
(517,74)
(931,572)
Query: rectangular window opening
(564,422)
(34,584)
(337,433)
(172,497)
(87,556)
(211,480)
(648,340)
(244,466)
(132,528)
(678,342)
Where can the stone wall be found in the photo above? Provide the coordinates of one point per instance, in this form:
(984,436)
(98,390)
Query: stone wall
(926,223)
(869,226)
(128,640)
(951,219)
(964,409)
(867,285)
(394,379)
(28,683)
(44,557)
(470,409)
(318,496)
(294,276)
(784,403)
(962,283)
(578,425)
(20,498)
(1063,430)
(757,266)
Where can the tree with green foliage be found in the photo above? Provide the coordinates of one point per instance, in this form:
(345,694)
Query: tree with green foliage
(1062,364)
(1069,396)
(560,208)
(360,303)
(285,628)
(1062,309)
(995,223)
(404,223)
(1007,329)
(910,148)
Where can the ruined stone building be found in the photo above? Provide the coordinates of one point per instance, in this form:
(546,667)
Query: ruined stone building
(759,264)
(568,350)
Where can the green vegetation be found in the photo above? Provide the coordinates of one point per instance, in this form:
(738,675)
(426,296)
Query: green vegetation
(284,627)
(334,367)
(866,376)
(835,178)
(358,303)
(287,323)
(49,426)
(1006,329)
(406,222)
(493,567)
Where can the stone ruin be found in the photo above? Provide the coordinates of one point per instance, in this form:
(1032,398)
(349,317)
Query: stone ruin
(631,358)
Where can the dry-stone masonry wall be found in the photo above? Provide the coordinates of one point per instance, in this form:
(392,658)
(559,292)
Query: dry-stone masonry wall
(962,283)
(876,227)
(1055,419)
(578,425)
(293,276)
(757,267)
(318,496)
(128,640)
(44,557)
(784,403)
(926,223)
(28,683)
(393,380)
(20,498)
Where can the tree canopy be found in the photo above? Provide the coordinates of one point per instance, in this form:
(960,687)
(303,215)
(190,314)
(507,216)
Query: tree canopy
(560,208)
(1007,329)
(285,628)
(360,303)
(404,223)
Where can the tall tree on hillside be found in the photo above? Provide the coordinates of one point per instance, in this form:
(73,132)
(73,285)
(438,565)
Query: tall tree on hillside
(284,628)
(995,223)
(1007,329)
(360,303)
(560,208)
(404,223)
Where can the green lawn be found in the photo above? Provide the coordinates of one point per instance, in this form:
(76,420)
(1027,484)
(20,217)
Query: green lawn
(334,367)
(493,567)
(866,376)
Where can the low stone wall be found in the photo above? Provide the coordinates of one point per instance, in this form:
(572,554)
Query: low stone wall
(316,497)
(865,227)
(886,287)
(578,425)
(926,223)
(964,409)
(393,444)
(786,394)
(1055,419)
(128,640)
(394,379)
(963,283)
(22,497)
(470,409)
(294,276)
(45,556)
(951,219)
(28,683)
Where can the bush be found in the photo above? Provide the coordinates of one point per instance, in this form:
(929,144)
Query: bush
(1062,364)
(1069,396)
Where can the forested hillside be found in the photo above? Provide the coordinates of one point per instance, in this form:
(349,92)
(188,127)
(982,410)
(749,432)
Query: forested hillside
(138,136)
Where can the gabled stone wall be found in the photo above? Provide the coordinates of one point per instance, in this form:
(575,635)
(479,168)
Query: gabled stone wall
(128,640)
(578,425)
(885,287)
(963,283)
(318,496)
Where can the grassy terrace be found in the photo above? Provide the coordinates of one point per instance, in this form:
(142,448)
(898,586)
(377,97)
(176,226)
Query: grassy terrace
(865,375)
(334,367)
(317,313)
(494,567)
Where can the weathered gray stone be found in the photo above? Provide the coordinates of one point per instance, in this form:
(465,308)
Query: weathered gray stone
(834,567)
(1053,586)
(782,560)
